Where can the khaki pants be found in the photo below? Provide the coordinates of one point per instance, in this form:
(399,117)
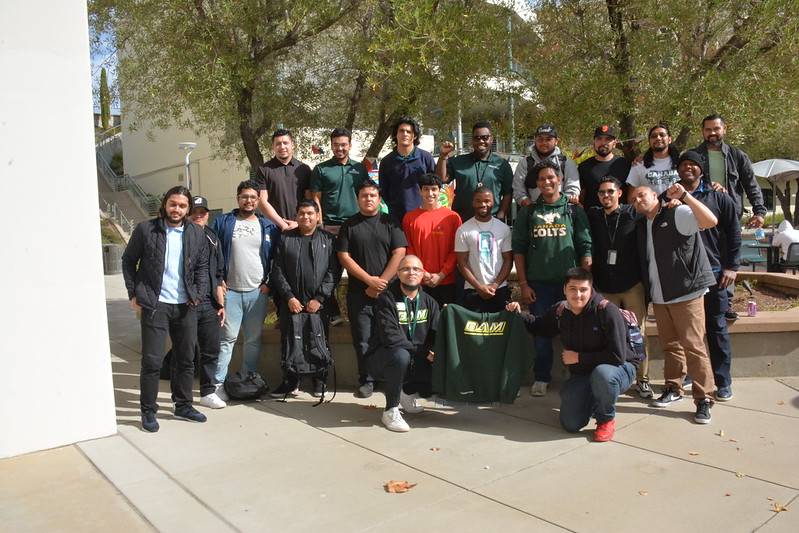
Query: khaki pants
(681,329)
(634,300)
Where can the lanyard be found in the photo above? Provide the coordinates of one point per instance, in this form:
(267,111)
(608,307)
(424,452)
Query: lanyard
(410,309)
(615,229)
(485,167)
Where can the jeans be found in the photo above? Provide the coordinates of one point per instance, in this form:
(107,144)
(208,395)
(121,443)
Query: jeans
(247,311)
(208,330)
(473,302)
(717,302)
(179,321)
(546,296)
(593,394)
(390,365)
(360,309)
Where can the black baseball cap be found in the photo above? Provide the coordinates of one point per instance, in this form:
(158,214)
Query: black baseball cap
(605,130)
(199,201)
(546,129)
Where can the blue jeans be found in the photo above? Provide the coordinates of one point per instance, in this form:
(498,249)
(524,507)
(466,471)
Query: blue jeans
(546,296)
(593,394)
(717,302)
(247,311)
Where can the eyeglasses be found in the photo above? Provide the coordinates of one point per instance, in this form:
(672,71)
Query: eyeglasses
(248,197)
(606,192)
(484,138)
(411,269)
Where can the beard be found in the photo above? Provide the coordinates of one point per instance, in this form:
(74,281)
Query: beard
(409,287)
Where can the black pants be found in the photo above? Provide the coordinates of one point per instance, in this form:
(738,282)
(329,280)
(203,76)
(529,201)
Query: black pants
(419,376)
(360,309)
(208,329)
(443,294)
(389,365)
(179,321)
(473,301)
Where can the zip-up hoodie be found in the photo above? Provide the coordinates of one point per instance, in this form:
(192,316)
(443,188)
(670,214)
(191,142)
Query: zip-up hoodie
(400,323)
(552,237)
(270,237)
(568,169)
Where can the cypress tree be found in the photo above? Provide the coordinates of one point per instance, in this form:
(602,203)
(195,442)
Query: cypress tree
(105,101)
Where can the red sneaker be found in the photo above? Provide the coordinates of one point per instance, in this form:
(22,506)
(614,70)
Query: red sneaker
(604,431)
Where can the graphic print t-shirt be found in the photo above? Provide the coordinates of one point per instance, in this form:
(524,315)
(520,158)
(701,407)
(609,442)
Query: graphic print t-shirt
(245,271)
(659,177)
(485,242)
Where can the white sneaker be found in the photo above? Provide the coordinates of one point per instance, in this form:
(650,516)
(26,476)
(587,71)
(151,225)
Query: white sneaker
(221,394)
(393,420)
(408,403)
(539,388)
(212,401)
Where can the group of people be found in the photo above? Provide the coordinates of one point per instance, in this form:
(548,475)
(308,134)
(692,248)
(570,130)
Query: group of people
(587,241)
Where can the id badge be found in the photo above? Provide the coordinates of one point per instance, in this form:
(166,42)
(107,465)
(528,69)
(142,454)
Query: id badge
(611,257)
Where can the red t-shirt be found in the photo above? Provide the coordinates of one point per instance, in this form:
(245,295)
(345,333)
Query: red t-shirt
(431,237)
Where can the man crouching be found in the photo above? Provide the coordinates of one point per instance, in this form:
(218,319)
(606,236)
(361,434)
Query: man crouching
(600,360)
(400,355)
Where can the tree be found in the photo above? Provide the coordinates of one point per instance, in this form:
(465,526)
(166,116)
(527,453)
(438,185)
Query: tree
(105,101)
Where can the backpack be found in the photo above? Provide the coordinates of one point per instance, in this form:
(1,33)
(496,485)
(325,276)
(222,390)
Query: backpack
(249,386)
(635,340)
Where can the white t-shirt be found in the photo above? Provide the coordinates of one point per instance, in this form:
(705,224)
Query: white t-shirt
(659,177)
(485,242)
(686,224)
(245,270)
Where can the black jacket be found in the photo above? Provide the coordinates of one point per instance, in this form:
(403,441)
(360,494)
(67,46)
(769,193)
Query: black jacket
(598,335)
(143,262)
(285,275)
(740,178)
(722,241)
(393,321)
(216,267)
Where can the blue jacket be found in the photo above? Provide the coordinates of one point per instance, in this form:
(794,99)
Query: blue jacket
(399,181)
(223,226)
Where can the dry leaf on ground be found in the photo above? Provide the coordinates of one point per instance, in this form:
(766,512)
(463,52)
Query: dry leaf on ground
(780,402)
(777,507)
(720,433)
(434,449)
(398,486)
(693,453)
(728,494)
(733,440)
(739,474)
(643,492)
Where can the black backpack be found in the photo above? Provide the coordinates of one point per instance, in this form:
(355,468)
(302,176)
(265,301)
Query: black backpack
(635,340)
(249,386)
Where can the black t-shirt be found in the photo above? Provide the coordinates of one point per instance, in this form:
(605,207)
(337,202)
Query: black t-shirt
(591,171)
(286,184)
(369,241)
(307,282)
(606,236)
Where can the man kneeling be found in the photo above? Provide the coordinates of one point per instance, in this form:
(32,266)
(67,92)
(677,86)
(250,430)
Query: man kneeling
(406,319)
(595,350)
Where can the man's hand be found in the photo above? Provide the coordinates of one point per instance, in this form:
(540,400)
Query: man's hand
(431,356)
(135,305)
(570,357)
(524,202)
(756,221)
(377,283)
(313,306)
(513,307)
(290,224)
(221,314)
(528,294)
(671,204)
(727,278)
(224,288)
(220,295)
(264,288)
(434,279)
(487,291)
(372,293)
(675,192)
(718,187)
(295,306)
(574,199)
(446,148)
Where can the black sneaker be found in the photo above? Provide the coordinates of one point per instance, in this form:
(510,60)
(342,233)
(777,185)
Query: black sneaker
(287,388)
(318,387)
(702,415)
(365,390)
(187,412)
(668,397)
(149,422)
(731,315)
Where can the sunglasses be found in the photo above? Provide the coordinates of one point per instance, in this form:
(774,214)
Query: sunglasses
(606,192)
(484,138)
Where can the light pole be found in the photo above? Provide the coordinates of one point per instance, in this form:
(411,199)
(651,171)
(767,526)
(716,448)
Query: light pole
(189,146)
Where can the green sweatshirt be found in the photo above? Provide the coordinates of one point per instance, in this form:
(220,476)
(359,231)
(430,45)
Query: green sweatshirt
(552,238)
(480,357)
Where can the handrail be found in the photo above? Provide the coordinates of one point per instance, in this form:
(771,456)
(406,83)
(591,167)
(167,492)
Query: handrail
(116,213)
(106,135)
(124,182)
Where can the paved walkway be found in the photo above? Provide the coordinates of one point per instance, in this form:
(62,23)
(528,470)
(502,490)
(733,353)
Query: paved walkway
(271,466)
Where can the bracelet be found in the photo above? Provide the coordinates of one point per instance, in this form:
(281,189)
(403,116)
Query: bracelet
(684,194)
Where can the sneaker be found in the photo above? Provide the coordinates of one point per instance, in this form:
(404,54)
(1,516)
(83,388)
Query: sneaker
(336,320)
(187,412)
(702,415)
(731,315)
(212,401)
(318,388)
(644,389)
(408,403)
(393,420)
(221,393)
(539,388)
(668,397)
(365,390)
(724,394)
(149,422)
(687,383)
(285,389)
(605,430)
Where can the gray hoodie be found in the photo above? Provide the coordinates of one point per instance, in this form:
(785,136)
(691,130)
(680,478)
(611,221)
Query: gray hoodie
(569,186)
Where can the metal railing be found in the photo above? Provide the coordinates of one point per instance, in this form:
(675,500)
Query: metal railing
(148,202)
(113,210)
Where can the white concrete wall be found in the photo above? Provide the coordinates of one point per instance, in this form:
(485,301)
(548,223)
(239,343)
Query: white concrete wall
(54,354)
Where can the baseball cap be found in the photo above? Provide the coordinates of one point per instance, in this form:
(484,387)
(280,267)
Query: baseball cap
(546,129)
(199,201)
(605,130)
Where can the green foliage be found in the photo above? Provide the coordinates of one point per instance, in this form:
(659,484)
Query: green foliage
(105,101)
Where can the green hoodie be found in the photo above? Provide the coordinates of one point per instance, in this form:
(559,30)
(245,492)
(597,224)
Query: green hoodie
(552,238)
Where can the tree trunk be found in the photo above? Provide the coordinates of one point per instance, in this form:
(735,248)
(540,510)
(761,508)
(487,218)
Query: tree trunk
(622,66)
(682,138)
(249,138)
(785,199)
(355,100)
(382,133)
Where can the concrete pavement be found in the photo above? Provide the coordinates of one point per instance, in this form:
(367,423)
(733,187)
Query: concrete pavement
(271,466)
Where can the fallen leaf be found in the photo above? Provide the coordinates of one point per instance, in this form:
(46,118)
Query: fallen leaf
(777,507)
(728,494)
(693,453)
(733,440)
(486,467)
(739,474)
(643,492)
(371,407)
(720,433)
(398,486)
(769,498)
(434,449)
(780,402)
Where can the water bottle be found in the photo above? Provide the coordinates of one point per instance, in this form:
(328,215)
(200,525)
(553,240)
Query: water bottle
(760,234)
